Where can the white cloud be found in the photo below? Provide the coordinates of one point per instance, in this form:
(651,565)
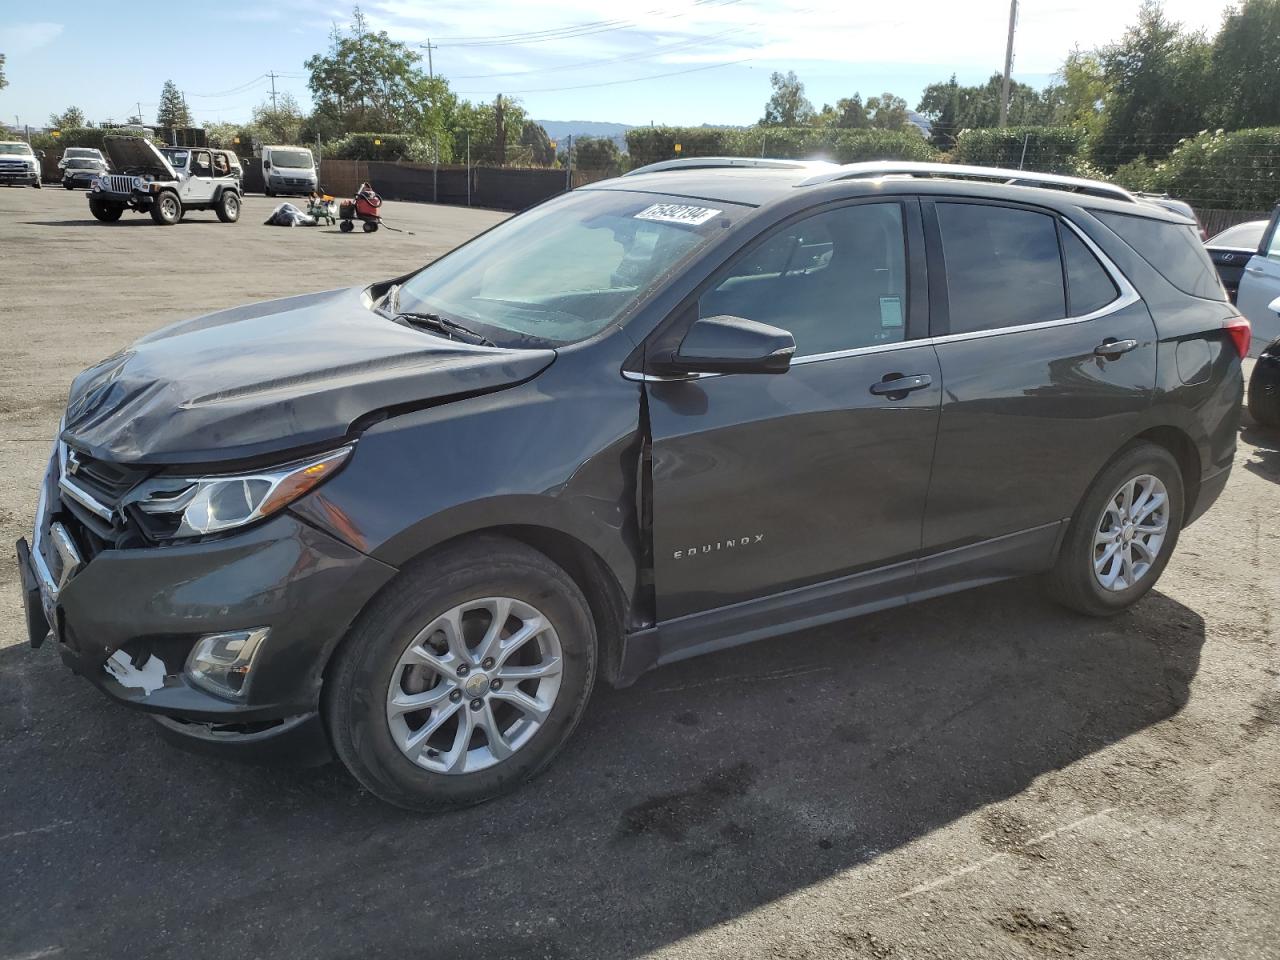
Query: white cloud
(787,33)
(17,39)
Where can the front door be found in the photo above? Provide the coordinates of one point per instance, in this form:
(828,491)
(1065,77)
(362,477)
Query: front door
(1260,286)
(766,482)
(198,186)
(1048,361)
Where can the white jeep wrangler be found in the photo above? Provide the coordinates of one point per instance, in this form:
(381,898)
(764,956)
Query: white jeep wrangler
(165,182)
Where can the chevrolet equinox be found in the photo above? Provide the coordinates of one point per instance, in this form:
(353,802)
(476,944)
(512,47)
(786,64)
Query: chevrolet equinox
(705,403)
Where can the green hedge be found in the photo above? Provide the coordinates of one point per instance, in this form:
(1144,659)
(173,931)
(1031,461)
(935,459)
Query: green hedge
(1231,171)
(1047,149)
(392,146)
(652,144)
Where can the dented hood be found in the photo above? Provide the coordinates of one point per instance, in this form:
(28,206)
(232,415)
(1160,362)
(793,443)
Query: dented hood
(271,378)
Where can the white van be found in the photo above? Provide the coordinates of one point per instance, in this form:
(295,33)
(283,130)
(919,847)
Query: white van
(288,170)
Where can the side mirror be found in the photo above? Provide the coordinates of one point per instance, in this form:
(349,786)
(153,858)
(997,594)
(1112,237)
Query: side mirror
(39,154)
(727,344)
(266,164)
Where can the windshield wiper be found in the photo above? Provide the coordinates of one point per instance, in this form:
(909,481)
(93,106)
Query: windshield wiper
(450,328)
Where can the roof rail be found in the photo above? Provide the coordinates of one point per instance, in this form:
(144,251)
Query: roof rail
(697,163)
(957,171)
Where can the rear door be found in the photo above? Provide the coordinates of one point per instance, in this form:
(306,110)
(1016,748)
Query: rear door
(1260,285)
(1048,360)
(761,482)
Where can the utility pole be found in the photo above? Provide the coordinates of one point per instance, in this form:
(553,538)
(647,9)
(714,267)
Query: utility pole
(139,114)
(568,165)
(1008,66)
(499,120)
(468,168)
(429,46)
(273,76)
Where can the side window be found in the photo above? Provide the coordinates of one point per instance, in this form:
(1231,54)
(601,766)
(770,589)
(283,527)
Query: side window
(200,165)
(836,280)
(220,166)
(1174,249)
(1089,286)
(1003,266)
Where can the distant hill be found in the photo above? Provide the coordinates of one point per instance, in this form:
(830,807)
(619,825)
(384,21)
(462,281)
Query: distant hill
(562,129)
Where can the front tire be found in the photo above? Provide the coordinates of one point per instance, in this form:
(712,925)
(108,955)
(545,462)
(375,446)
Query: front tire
(464,678)
(106,212)
(1122,534)
(37,184)
(228,208)
(1264,392)
(166,210)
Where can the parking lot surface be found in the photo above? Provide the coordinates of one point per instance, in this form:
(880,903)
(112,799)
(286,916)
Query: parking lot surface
(984,775)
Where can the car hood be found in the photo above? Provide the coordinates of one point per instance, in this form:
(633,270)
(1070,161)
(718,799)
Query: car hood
(137,155)
(273,378)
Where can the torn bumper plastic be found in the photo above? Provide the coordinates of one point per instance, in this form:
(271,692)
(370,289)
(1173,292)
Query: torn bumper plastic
(127,619)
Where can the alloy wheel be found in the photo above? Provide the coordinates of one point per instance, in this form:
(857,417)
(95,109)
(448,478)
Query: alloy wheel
(1130,532)
(474,686)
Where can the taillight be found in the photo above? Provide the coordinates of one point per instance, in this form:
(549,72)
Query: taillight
(1238,330)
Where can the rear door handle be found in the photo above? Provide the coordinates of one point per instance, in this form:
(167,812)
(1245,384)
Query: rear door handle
(899,386)
(1111,348)
(1255,270)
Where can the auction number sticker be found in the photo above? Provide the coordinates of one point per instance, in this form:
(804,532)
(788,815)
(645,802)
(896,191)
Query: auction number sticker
(677,213)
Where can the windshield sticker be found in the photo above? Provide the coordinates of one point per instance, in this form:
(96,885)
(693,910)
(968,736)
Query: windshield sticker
(677,213)
(890,312)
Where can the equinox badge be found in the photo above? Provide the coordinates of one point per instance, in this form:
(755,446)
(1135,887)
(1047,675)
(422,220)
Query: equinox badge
(746,541)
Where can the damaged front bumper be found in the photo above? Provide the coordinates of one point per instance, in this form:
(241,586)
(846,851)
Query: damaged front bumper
(127,620)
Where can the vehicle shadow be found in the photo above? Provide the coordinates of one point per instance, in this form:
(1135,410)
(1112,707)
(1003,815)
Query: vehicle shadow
(708,789)
(1265,459)
(131,220)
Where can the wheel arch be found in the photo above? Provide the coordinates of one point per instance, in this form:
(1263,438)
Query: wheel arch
(1184,450)
(606,598)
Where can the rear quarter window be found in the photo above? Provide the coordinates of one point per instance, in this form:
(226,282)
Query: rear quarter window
(1174,249)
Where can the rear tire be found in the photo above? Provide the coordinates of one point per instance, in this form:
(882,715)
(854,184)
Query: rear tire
(452,765)
(1264,393)
(106,212)
(1100,535)
(346,226)
(228,208)
(166,209)
(370,226)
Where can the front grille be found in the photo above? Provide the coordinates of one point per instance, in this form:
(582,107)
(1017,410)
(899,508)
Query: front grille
(107,481)
(119,184)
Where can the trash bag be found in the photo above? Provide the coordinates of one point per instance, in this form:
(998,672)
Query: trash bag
(287,215)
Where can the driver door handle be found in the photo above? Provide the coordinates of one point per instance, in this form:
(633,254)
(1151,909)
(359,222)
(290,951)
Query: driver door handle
(1112,348)
(1256,270)
(901,385)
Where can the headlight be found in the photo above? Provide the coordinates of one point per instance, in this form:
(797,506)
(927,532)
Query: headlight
(139,183)
(202,505)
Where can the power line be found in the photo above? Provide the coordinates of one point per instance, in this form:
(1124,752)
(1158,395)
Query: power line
(233,91)
(660,52)
(613,83)
(569,33)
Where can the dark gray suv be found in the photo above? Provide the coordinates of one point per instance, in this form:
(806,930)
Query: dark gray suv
(699,405)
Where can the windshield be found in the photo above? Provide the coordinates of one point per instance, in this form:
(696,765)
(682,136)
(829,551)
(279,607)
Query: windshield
(565,270)
(82,163)
(1246,236)
(80,152)
(21,148)
(299,159)
(177,158)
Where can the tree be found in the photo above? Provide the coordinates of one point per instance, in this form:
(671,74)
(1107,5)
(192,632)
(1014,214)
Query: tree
(959,108)
(70,118)
(788,107)
(1077,100)
(1245,66)
(1158,90)
(534,138)
(280,122)
(479,121)
(596,153)
(887,112)
(172,111)
(847,114)
(367,82)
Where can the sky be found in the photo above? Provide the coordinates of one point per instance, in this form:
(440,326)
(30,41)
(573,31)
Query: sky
(662,61)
